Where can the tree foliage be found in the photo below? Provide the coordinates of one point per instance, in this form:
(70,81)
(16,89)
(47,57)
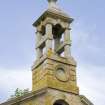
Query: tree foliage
(18,93)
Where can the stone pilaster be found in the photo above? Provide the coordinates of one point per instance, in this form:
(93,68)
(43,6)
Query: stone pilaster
(67,42)
(39,51)
(49,37)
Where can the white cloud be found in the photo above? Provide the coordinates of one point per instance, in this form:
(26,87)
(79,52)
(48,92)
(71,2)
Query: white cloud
(12,79)
(91,80)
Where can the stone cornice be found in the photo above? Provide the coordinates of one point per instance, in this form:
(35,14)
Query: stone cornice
(25,97)
(53,13)
(69,61)
(85,100)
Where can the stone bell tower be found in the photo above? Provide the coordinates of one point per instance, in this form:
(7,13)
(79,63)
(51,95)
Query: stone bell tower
(54,71)
(55,68)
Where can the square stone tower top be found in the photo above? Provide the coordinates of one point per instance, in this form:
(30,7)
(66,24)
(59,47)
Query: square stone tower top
(53,32)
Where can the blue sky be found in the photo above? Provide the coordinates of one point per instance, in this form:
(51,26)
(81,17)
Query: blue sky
(17,44)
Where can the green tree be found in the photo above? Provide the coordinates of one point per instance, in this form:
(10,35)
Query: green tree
(18,93)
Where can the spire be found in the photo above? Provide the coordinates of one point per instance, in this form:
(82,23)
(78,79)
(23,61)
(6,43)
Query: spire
(52,3)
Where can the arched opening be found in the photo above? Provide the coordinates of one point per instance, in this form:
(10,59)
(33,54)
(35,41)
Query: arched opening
(57,31)
(58,36)
(60,102)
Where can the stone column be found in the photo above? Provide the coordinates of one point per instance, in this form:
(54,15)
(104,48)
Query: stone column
(56,43)
(39,53)
(38,50)
(67,42)
(49,37)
